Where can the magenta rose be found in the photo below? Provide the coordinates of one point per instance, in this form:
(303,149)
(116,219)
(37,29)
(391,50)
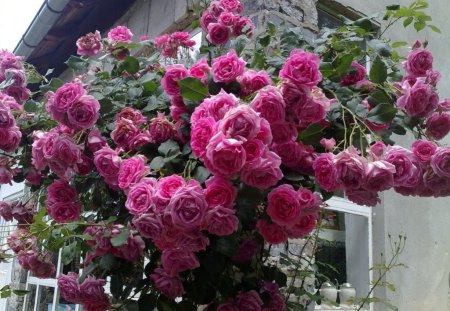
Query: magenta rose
(188,206)
(403,160)
(170,286)
(149,225)
(172,75)
(294,95)
(248,248)
(201,134)
(61,192)
(283,206)
(200,70)
(363,197)
(68,287)
(108,162)
(283,131)
(419,61)
(131,114)
(64,212)
(228,19)
(92,290)
(140,197)
(10,138)
(220,192)
(120,34)
(304,225)
(221,221)
(227,68)
(90,44)
(265,133)
(95,140)
(66,96)
(206,19)
(438,125)
(357,73)
(302,68)
(124,133)
(215,107)
(272,233)
(6,118)
(132,171)
(166,188)
(270,104)
(423,150)
(264,172)
(252,81)
(315,108)
(227,307)
(244,26)
(231,5)
(440,162)
(249,301)
(254,149)
(350,169)
(419,100)
(309,201)
(6,211)
(132,250)
(241,123)
(83,113)
(175,261)
(161,129)
(380,176)
(224,156)
(218,34)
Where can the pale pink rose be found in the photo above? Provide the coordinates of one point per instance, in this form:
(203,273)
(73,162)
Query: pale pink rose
(231,5)
(403,160)
(201,134)
(263,172)
(218,34)
(440,162)
(144,38)
(357,73)
(10,138)
(170,286)
(175,261)
(108,162)
(120,34)
(206,19)
(283,131)
(131,114)
(188,206)
(252,81)
(161,129)
(224,156)
(380,176)
(363,197)
(227,68)
(244,26)
(95,140)
(249,301)
(254,149)
(140,196)
(283,206)
(304,225)
(90,44)
(200,70)
(241,123)
(270,104)
(423,150)
(83,113)
(172,75)
(228,19)
(302,68)
(132,171)
(350,169)
(166,188)
(149,225)
(220,192)
(419,61)
(438,125)
(328,144)
(161,41)
(419,100)
(68,286)
(221,221)
(124,133)
(227,307)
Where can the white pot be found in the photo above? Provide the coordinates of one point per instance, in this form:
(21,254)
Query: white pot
(329,293)
(347,294)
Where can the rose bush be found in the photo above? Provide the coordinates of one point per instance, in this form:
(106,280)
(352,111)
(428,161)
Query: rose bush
(173,180)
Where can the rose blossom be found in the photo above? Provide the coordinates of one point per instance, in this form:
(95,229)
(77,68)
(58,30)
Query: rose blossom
(302,68)
(206,19)
(61,192)
(220,192)
(241,123)
(132,250)
(64,212)
(66,96)
(166,188)
(283,206)
(249,301)
(188,206)
(294,95)
(270,104)
(131,114)
(68,286)
(124,133)
(120,34)
(248,248)
(423,150)
(363,197)
(215,106)
(303,226)
(6,210)
(10,138)
(95,140)
(221,220)
(227,307)
(356,74)
(328,144)
(227,68)
(90,44)
(218,33)
(228,19)
(200,70)
(380,176)
(264,172)
(201,134)
(419,61)
(161,129)
(92,290)
(440,162)
(254,149)
(6,118)
(108,162)
(149,225)
(140,196)
(132,171)
(403,160)
(283,131)
(83,113)
(309,201)
(172,75)
(438,125)
(170,286)
(243,23)
(252,81)
(175,261)
(350,169)
(419,100)
(272,233)
(231,5)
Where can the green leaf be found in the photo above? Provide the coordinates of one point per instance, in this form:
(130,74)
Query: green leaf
(193,89)
(407,21)
(120,239)
(20,292)
(150,86)
(130,64)
(157,163)
(393,7)
(326,68)
(201,174)
(147,302)
(434,28)
(30,106)
(106,106)
(378,72)
(227,246)
(418,26)
(382,113)
(169,148)
(107,262)
(311,134)
(343,63)
(53,85)
(399,44)
(68,253)
(116,285)
(77,63)
(195,23)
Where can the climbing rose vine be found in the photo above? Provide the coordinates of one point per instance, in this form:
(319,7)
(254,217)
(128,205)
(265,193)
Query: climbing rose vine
(172,176)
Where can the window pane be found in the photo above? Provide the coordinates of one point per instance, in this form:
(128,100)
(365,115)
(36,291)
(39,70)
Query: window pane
(45,298)
(30,298)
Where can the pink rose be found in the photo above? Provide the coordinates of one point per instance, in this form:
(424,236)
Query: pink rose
(283,131)
(6,175)
(283,206)
(263,172)
(124,133)
(380,176)
(309,201)
(66,96)
(444,105)
(83,113)
(248,248)
(200,70)
(302,68)
(6,210)
(357,73)
(350,169)
(95,140)
(215,106)
(90,44)
(423,150)
(438,125)
(10,138)
(252,81)
(227,68)
(272,233)
(149,225)
(64,212)
(254,149)
(132,171)
(227,307)
(294,95)
(315,108)
(419,61)
(231,5)
(39,264)
(140,197)
(68,286)
(270,104)
(98,305)
(175,261)
(108,162)
(228,19)
(220,192)
(131,114)
(84,166)
(241,123)
(188,206)
(218,34)
(265,133)
(377,150)
(249,301)
(172,75)
(328,144)
(132,250)
(221,220)
(92,290)
(244,26)
(61,192)
(120,34)
(403,160)
(161,129)
(206,19)
(363,197)
(10,102)
(440,162)
(166,188)
(201,134)
(419,100)
(170,286)
(224,156)
(6,118)
(304,225)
